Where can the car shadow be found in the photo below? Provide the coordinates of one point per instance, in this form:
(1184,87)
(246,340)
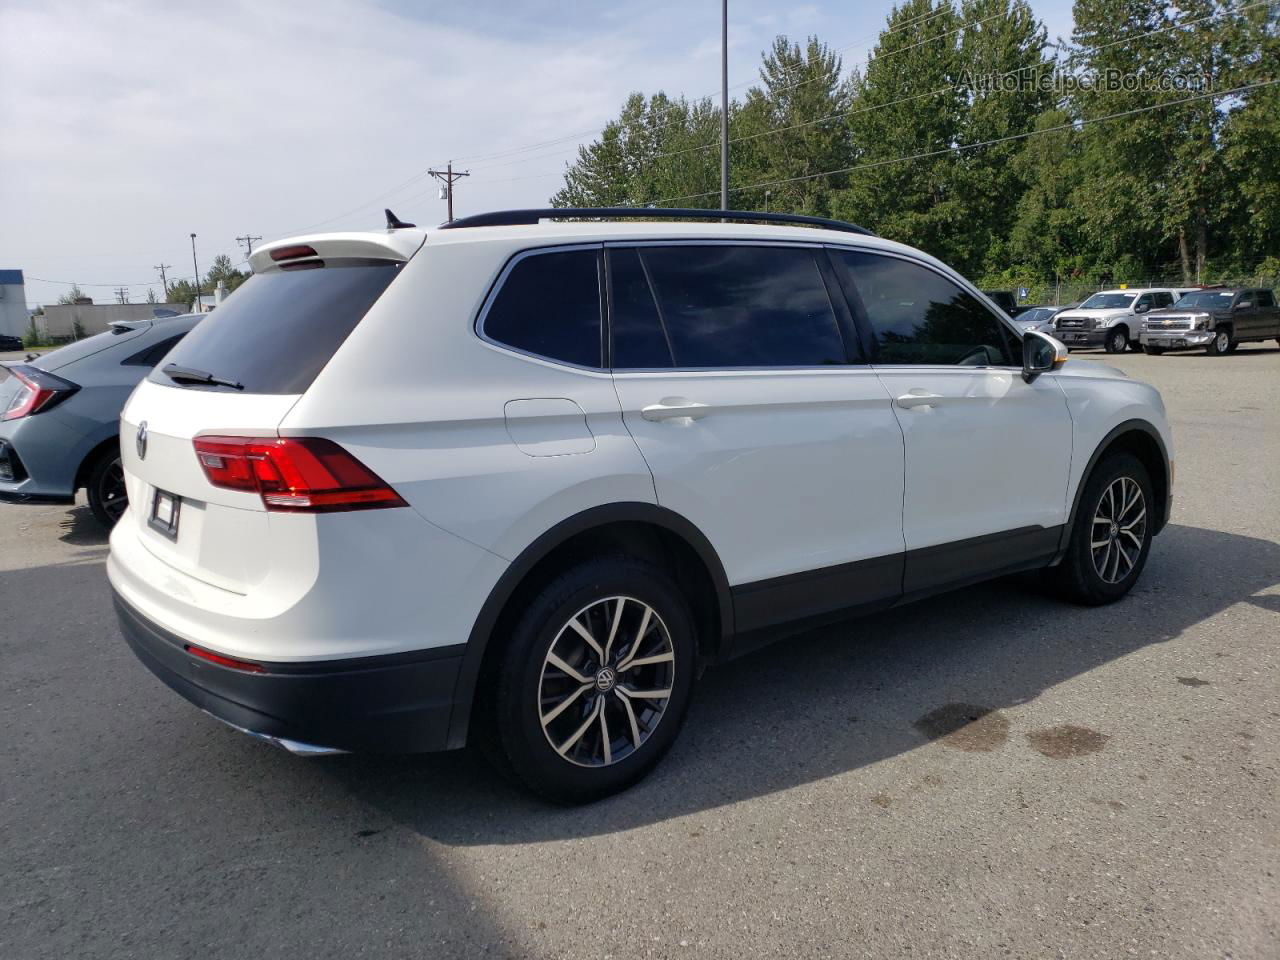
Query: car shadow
(840,698)
(80,528)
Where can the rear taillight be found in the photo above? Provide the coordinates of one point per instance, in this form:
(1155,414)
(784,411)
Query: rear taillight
(230,663)
(37,391)
(299,474)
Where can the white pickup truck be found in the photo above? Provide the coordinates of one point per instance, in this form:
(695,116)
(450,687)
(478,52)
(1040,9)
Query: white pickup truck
(1112,319)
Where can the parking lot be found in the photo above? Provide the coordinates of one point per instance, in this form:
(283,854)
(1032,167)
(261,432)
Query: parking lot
(983,774)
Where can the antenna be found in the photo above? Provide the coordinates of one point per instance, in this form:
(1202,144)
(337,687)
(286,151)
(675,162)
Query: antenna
(394,222)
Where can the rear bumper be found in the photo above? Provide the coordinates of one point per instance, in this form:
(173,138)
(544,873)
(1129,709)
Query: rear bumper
(398,703)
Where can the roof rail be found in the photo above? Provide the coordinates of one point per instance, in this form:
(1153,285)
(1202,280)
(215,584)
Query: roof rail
(510,218)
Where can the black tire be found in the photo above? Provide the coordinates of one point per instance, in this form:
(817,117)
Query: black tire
(518,697)
(1117,340)
(1078,577)
(1153,351)
(105,487)
(1221,344)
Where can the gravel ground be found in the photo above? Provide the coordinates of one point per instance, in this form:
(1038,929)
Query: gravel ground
(984,774)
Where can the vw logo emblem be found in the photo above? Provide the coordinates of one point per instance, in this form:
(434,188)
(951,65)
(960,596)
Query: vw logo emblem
(605,679)
(141,440)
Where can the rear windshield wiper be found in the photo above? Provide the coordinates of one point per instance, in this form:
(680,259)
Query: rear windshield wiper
(188,375)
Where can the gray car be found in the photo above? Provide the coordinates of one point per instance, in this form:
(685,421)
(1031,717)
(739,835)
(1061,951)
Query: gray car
(60,412)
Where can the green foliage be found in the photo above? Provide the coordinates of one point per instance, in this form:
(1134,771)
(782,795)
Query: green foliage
(77,329)
(1038,184)
(32,338)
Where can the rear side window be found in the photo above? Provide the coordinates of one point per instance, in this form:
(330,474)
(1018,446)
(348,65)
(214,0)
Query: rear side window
(1266,298)
(723,306)
(920,317)
(279,329)
(549,305)
(152,354)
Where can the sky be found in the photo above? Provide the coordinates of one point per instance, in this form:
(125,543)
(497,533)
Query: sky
(130,124)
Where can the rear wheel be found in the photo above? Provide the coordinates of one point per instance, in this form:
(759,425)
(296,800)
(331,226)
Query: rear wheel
(1117,340)
(1221,344)
(1112,533)
(105,487)
(596,680)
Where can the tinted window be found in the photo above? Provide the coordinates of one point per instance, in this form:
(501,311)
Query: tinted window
(549,304)
(154,353)
(919,316)
(1266,298)
(640,339)
(741,306)
(276,332)
(1163,300)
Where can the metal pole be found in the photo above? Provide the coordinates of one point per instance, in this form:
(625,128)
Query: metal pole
(198,305)
(449,188)
(724,104)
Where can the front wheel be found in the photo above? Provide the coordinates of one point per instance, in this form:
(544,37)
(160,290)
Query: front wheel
(596,679)
(1117,340)
(1221,344)
(1111,535)
(106,490)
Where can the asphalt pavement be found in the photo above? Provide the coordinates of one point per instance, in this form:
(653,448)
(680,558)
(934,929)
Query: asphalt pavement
(988,773)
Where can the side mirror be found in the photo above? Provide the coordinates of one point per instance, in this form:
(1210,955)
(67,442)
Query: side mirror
(1142,308)
(1040,354)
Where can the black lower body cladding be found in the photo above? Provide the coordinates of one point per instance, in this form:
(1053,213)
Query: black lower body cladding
(399,703)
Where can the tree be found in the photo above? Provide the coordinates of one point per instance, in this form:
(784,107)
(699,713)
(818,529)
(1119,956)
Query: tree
(1003,48)
(77,329)
(905,118)
(151,295)
(223,270)
(72,295)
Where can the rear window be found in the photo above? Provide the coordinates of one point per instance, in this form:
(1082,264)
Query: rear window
(279,329)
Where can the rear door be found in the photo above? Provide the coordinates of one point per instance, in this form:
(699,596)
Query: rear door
(740,380)
(987,454)
(268,341)
(1268,313)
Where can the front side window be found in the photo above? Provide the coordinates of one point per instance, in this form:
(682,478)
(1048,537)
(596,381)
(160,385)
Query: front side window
(918,316)
(722,305)
(549,305)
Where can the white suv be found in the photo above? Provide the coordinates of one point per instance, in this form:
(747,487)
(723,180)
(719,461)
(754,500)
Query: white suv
(520,481)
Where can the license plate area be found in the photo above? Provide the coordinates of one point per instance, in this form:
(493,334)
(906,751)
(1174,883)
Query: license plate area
(163,516)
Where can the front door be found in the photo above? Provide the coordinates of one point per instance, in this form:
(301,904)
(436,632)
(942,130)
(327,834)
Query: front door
(987,454)
(732,364)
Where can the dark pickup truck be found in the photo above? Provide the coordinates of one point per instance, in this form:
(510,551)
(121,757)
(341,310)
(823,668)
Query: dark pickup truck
(1218,320)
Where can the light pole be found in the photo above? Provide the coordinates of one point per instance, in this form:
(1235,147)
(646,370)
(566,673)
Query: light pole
(724,104)
(198,305)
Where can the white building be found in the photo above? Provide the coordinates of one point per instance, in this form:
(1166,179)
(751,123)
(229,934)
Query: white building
(13,303)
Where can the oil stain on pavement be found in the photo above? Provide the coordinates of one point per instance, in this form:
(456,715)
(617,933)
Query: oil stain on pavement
(1067,740)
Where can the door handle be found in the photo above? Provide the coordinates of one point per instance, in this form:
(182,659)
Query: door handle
(918,398)
(674,408)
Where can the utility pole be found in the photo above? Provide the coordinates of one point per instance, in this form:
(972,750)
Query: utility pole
(196,307)
(247,242)
(162,267)
(724,104)
(122,294)
(447,177)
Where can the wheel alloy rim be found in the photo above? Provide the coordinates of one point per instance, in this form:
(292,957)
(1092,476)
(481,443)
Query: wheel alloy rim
(1223,342)
(1118,343)
(111,491)
(606,681)
(1119,529)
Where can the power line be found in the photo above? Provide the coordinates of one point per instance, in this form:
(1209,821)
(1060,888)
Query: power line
(247,242)
(448,176)
(1070,125)
(164,283)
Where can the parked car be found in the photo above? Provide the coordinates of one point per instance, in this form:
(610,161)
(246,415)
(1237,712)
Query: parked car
(1112,318)
(59,430)
(1038,319)
(8,343)
(601,456)
(1217,319)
